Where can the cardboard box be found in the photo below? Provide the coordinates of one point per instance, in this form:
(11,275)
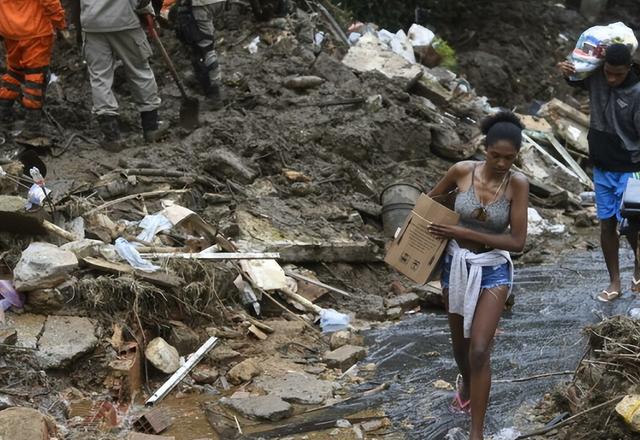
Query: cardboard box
(415,252)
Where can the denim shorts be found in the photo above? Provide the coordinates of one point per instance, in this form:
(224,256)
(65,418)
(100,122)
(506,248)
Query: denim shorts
(492,276)
(609,186)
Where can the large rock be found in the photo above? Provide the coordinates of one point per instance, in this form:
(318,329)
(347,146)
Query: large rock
(344,357)
(333,70)
(225,164)
(270,408)
(204,374)
(629,409)
(24,424)
(65,338)
(298,388)
(224,355)
(163,356)
(85,247)
(344,337)
(244,372)
(185,340)
(44,301)
(42,266)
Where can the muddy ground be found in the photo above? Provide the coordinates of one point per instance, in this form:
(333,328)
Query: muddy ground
(346,155)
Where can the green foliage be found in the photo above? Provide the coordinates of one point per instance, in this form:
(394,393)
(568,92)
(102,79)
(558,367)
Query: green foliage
(447,53)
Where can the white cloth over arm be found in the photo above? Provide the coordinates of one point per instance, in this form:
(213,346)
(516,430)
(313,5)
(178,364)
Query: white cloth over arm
(464,283)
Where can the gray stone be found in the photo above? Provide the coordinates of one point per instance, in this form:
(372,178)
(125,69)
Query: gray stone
(270,408)
(224,163)
(338,339)
(244,372)
(223,355)
(185,340)
(162,356)
(204,374)
(84,248)
(344,357)
(298,388)
(65,338)
(406,301)
(23,424)
(42,266)
(394,313)
(6,402)
(8,336)
(29,328)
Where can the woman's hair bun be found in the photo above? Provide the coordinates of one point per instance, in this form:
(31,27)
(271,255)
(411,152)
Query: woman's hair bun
(503,116)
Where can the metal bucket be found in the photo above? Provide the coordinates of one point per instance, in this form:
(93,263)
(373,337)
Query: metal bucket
(394,215)
(397,201)
(400,193)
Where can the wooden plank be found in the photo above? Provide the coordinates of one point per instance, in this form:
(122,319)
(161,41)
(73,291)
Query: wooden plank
(563,109)
(584,178)
(219,256)
(159,279)
(549,156)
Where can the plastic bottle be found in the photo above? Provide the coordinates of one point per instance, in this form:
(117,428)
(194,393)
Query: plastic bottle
(37,176)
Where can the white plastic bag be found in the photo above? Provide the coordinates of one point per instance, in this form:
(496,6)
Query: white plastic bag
(127,251)
(36,196)
(592,44)
(151,225)
(333,321)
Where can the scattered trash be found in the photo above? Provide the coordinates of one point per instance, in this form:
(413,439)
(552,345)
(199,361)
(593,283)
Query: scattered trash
(252,47)
(129,252)
(332,321)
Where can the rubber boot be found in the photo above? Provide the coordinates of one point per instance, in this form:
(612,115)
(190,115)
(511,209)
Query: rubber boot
(152,128)
(214,95)
(110,129)
(32,124)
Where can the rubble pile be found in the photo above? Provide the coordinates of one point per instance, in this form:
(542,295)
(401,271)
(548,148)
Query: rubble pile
(605,387)
(211,263)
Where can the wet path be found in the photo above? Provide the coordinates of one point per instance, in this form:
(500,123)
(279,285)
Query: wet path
(542,334)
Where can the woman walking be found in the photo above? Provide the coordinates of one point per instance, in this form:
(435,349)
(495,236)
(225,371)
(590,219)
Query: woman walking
(477,272)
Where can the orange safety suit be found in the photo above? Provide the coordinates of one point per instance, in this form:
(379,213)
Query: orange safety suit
(28,29)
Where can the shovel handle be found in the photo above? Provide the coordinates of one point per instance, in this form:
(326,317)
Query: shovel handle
(154,35)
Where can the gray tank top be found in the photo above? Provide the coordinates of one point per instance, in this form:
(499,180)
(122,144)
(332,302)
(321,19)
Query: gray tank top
(493,218)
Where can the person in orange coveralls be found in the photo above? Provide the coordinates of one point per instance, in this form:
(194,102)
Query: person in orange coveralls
(27,28)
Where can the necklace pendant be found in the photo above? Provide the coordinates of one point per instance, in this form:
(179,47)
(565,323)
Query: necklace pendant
(482,214)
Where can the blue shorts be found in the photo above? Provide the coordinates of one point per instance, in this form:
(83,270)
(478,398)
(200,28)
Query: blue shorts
(492,276)
(609,186)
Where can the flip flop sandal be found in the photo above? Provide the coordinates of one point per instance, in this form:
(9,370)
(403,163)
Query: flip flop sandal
(459,405)
(606,296)
(635,285)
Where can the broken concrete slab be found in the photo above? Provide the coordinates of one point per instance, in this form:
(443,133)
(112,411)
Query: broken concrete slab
(394,313)
(42,266)
(29,328)
(162,356)
(244,371)
(65,338)
(345,356)
(299,246)
(24,424)
(270,408)
(297,387)
(406,301)
(371,54)
(225,164)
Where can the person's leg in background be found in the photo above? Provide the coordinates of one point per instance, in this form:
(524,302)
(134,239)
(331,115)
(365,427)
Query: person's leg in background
(10,83)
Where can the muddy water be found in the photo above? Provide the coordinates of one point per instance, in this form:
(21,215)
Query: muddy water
(542,334)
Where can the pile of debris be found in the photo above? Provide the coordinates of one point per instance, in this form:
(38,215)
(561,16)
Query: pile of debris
(212,243)
(602,401)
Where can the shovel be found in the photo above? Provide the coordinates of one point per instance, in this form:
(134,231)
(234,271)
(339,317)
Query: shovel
(189,107)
